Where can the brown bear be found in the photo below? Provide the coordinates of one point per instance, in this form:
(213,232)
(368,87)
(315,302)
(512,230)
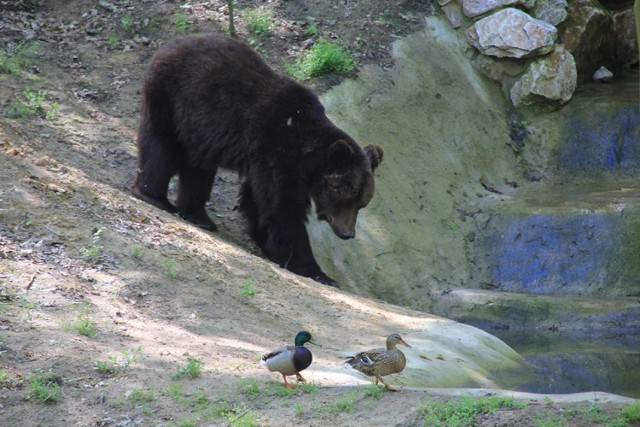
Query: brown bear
(210,101)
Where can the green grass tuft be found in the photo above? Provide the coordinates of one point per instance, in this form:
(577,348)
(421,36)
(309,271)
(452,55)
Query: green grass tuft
(192,369)
(139,396)
(45,389)
(323,58)
(84,324)
(13,64)
(248,288)
(180,20)
(463,412)
(631,413)
(258,20)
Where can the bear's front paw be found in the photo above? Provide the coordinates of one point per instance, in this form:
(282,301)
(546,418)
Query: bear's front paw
(325,280)
(202,221)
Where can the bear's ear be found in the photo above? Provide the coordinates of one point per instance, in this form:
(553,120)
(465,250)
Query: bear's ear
(340,153)
(375,153)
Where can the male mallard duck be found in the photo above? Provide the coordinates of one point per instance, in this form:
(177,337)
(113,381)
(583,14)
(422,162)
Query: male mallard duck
(290,360)
(380,361)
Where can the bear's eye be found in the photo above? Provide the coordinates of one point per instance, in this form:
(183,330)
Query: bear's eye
(290,122)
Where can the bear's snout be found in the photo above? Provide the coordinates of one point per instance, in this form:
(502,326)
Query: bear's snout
(344,233)
(343,226)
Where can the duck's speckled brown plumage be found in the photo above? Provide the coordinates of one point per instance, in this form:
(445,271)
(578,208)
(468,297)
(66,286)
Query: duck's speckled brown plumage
(381,361)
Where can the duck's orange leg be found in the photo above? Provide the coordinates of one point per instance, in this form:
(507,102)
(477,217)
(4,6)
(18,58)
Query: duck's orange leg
(286,383)
(388,387)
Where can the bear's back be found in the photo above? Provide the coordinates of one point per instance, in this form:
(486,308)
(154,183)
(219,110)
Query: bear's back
(211,63)
(217,95)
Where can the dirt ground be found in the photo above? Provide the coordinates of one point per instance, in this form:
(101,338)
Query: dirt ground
(107,297)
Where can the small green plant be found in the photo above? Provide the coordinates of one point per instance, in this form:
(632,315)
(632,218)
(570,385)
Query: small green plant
(309,388)
(174,391)
(386,16)
(105,367)
(311,30)
(28,221)
(12,64)
(200,400)
(242,417)
(248,288)
(171,268)
(131,356)
(324,57)
(115,365)
(127,22)
(20,111)
(237,416)
(139,396)
(191,421)
(45,389)
(249,387)
(112,40)
(548,401)
(373,390)
(93,253)
(631,413)
(83,324)
(192,369)
(36,101)
(8,64)
(218,409)
(35,105)
(281,391)
(343,405)
(137,252)
(258,20)
(180,20)
(298,409)
(594,408)
(550,421)
(463,412)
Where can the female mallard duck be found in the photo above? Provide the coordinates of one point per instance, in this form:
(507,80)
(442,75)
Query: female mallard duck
(380,361)
(290,360)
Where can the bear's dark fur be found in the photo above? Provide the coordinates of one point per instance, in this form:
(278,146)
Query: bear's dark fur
(210,101)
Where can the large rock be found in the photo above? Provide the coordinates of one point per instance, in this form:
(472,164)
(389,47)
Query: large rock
(453,13)
(552,11)
(588,35)
(502,71)
(511,33)
(474,8)
(551,79)
(624,27)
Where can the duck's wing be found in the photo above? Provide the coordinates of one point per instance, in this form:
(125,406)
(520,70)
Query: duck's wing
(369,357)
(280,360)
(276,353)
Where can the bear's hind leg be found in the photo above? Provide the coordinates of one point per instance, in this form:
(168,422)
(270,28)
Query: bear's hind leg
(193,192)
(250,211)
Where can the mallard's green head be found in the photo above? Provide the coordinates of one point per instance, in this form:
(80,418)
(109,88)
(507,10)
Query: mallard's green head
(304,337)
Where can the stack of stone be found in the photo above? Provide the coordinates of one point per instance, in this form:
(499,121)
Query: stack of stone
(540,49)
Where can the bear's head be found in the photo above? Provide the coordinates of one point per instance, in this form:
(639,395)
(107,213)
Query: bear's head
(346,186)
